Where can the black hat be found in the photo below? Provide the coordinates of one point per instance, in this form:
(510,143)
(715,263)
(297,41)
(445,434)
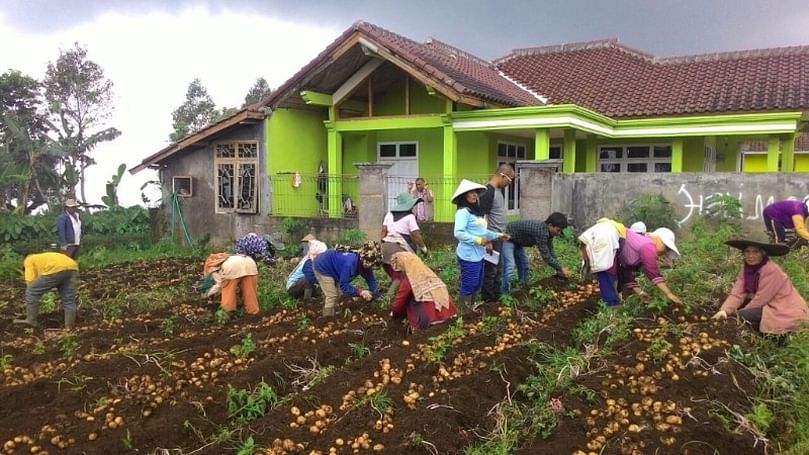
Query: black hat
(772,249)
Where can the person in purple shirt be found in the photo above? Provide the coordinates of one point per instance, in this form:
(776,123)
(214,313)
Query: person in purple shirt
(641,252)
(786,214)
(336,268)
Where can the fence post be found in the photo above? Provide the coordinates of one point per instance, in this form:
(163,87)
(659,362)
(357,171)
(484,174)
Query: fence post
(372,194)
(536,187)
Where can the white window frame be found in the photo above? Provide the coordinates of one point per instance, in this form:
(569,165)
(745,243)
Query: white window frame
(178,183)
(512,191)
(239,164)
(625,161)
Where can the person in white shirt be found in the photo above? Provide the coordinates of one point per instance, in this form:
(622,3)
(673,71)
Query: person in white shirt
(68,229)
(400,233)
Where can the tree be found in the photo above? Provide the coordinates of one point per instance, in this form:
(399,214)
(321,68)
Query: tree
(79,98)
(259,90)
(195,113)
(28,157)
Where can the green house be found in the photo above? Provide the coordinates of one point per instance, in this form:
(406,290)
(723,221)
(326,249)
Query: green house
(432,110)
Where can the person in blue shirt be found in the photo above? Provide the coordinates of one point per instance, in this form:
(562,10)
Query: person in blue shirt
(471,230)
(302,280)
(334,270)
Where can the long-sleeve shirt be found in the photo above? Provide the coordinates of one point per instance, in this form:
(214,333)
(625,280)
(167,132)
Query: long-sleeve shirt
(304,269)
(420,315)
(638,251)
(472,232)
(343,267)
(791,214)
(66,229)
(493,204)
(534,233)
(47,264)
(255,246)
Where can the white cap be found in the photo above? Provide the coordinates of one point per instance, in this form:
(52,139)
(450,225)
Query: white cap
(466,186)
(639,227)
(316,247)
(667,237)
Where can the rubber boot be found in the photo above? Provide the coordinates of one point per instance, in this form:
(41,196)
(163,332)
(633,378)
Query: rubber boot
(307,292)
(328,311)
(31,312)
(464,304)
(70,319)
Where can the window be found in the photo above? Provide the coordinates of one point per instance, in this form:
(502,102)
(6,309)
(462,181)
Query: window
(393,150)
(510,153)
(635,158)
(555,152)
(236,174)
(182,186)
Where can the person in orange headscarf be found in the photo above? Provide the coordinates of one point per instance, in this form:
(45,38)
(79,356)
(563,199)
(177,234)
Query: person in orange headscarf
(422,296)
(231,272)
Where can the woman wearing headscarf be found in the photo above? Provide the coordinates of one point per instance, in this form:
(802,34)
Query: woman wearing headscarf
(763,295)
(229,273)
(335,269)
(400,233)
(421,296)
(471,230)
(302,281)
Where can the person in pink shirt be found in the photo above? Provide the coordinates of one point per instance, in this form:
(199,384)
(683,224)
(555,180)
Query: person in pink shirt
(763,295)
(641,252)
(422,191)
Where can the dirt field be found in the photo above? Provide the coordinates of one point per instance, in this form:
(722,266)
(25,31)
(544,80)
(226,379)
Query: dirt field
(175,381)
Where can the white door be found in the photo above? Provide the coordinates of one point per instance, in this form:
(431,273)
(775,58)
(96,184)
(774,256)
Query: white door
(404,158)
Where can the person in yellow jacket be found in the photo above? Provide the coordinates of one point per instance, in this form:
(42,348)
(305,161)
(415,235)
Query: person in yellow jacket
(46,271)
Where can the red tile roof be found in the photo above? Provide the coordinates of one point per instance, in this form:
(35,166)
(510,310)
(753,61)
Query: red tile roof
(618,81)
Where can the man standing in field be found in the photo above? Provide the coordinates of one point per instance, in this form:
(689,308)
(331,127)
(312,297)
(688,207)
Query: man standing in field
(493,205)
(46,271)
(68,229)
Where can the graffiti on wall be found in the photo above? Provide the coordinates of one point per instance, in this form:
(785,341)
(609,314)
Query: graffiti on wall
(700,203)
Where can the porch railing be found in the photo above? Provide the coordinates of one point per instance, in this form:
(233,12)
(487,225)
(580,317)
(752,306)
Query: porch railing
(314,195)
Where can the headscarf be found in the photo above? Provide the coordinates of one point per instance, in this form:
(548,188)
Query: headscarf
(752,273)
(426,285)
(315,247)
(369,252)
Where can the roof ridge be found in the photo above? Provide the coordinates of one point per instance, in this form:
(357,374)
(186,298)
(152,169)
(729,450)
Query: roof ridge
(541,98)
(576,46)
(730,55)
(442,46)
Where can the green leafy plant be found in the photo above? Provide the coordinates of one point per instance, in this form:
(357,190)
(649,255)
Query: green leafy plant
(540,296)
(246,347)
(247,405)
(761,417)
(359,350)
(126,441)
(246,447)
(652,209)
(659,348)
(303,322)
(168,326)
(39,347)
(68,344)
(5,361)
(723,207)
(351,237)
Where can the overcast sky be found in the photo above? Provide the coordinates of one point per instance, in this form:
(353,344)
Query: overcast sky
(152,49)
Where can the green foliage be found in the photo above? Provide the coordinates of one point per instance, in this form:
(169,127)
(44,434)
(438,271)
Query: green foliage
(540,297)
(351,237)
(246,447)
(303,322)
(168,326)
(723,207)
(606,327)
(48,302)
(247,405)
(295,228)
(652,209)
(111,198)
(438,346)
(761,417)
(259,90)
(39,347)
(126,441)
(195,113)
(359,350)
(659,348)
(5,361)
(246,347)
(68,344)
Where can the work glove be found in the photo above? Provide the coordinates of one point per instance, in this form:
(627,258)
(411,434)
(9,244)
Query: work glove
(721,314)
(367,295)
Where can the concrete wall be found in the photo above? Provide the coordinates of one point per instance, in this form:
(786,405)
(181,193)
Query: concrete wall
(199,209)
(587,197)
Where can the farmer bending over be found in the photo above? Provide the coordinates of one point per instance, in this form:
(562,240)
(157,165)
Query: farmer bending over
(302,281)
(786,214)
(528,233)
(334,270)
(763,295)
(46,271)
(421,296)
(230,272)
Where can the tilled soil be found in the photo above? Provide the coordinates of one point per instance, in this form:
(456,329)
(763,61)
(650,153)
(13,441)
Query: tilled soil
(130,385)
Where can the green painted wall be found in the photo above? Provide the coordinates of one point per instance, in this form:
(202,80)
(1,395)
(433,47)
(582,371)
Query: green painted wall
(296,142)
(802,162)
(392,101)
(693,154)
(727,153)
(422,102)
(581,155)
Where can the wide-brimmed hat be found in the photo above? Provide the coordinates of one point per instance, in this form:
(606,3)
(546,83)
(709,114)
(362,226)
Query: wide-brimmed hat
(71,203)
(667,237)
(405,202)
(772,249)
(370,254)
(316,247)
(308,238)
(465,187)
(639,227)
